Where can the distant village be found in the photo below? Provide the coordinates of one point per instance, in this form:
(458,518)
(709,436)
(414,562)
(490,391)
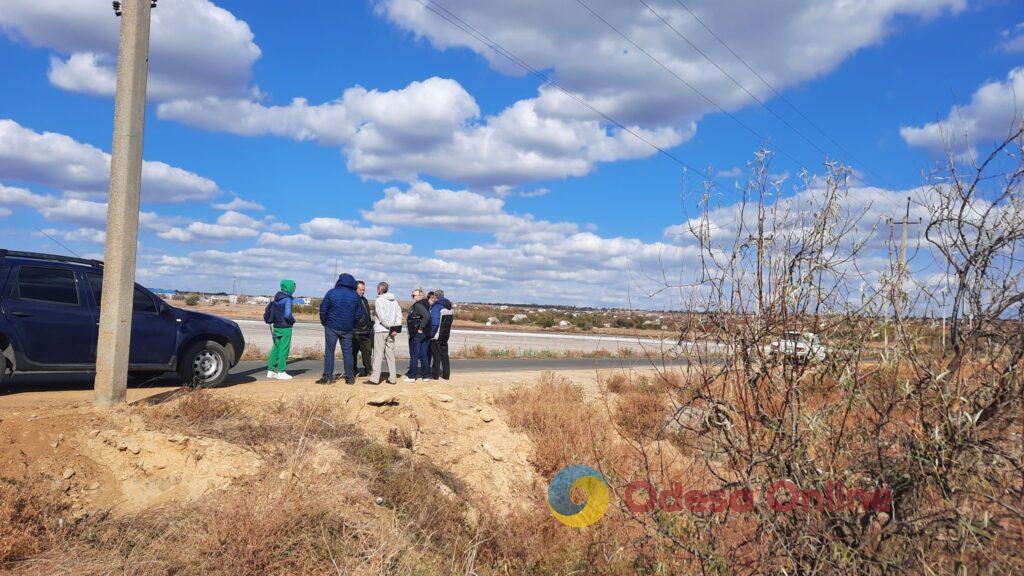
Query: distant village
(487,314)
(213,298)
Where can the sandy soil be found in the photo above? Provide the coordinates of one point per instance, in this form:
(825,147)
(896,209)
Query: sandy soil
(114,460)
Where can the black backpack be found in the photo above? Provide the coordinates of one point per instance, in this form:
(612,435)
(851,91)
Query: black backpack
(269,313)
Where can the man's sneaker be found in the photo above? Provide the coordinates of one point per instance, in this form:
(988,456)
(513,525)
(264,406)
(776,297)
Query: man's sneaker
(271,375)
(410,380)
(392,382)
(338,378)
(325,380)
(350,381)
(371,382)
(283,376)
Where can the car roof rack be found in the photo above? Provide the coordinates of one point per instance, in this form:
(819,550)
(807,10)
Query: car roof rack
(50,257)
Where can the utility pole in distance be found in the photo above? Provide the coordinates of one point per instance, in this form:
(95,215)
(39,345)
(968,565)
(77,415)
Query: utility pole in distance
(900,297)
(115,328)
(901,265)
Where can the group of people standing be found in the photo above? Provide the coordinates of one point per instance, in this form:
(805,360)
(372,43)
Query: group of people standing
(346,317)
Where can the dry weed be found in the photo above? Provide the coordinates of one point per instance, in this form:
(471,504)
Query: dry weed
(30,519)
(641,414)
(254,352)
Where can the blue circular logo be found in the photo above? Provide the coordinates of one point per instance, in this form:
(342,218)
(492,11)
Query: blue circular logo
(591,482)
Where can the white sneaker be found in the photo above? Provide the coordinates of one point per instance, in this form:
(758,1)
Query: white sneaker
(271,375)
(410,380)
(283,376)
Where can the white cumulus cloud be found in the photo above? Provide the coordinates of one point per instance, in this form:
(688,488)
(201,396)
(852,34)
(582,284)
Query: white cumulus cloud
(786,42)
(196,47)
(74,210)
(434,127)
(61,162)
(325,228)
(995,109)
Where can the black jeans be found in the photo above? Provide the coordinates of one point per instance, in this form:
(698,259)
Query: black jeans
(440,365)
(362,345)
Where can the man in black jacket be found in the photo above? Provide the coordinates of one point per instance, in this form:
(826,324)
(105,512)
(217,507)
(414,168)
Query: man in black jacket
(362,334)
(419,338)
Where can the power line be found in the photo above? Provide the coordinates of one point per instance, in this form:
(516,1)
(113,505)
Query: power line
(776,92)
(74,253)
(461,24)
(706,98)
(731,77)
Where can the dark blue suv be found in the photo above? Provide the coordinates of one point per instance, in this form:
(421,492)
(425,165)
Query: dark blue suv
(49,321)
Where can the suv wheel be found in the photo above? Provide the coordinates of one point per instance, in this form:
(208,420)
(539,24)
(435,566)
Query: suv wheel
(204,365)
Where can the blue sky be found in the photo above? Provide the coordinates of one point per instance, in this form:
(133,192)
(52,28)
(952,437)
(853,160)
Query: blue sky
(445,165)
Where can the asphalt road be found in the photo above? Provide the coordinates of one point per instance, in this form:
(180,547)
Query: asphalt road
(309,335)
(251,370)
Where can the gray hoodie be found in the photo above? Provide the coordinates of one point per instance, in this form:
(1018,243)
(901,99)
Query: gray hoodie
(389,312)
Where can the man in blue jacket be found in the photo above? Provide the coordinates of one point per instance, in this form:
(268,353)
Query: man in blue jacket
(440,328)
(340,310)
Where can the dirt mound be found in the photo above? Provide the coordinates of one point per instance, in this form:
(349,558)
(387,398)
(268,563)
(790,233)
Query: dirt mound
(460,431)
(112,462)
(153,467)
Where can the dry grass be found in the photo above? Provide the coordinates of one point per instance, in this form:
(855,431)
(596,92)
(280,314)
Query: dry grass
(30,519)
(566,428)
(476,351)
(409,516)
(254,352)
(424,521)
(640,414)
(418,493)
(402,437)
(272,528)
(618,382)
(201,407)
(480,351)
(555,416)
(301,523)
(308,353)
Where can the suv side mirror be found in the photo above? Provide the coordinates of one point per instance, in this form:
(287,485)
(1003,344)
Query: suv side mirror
(163,308)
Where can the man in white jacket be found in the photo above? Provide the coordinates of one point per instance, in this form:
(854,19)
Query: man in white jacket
(387,325)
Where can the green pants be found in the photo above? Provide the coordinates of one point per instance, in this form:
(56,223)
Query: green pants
(279,352)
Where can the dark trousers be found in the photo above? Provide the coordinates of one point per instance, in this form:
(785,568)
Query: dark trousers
(331,339)
(419,366)
(362,345)
(440,366)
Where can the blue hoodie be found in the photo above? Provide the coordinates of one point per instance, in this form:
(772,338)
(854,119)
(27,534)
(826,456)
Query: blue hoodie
(283,310)
(341,306)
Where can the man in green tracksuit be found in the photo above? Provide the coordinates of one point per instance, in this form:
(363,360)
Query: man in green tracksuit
(279,316)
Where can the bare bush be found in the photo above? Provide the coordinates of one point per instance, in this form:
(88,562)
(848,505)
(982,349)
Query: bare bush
(936,428)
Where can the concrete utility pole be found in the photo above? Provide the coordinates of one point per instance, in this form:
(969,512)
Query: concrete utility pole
(901,266)
(123,204)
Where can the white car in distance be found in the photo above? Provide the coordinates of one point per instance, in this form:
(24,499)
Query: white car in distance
(797,347)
